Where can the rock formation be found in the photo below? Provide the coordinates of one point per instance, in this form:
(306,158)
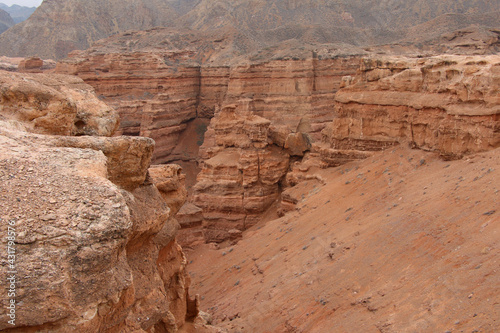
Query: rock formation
(383,101)
(94,239)
(446,104)
(54,104)
(240,178)
(26,65)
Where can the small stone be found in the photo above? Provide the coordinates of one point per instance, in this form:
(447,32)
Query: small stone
(485,250)
(48,217)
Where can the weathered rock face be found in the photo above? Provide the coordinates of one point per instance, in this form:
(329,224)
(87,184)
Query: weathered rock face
(447,104)
(54,104)
(26,65)
(153,99)
(240,178)
(295,95)
(157,93)
(94,237)
(31,65)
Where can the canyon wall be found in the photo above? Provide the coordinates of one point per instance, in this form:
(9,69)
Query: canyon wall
(92,229)
(164,95)
(446,104)
(158,93)
(154,99)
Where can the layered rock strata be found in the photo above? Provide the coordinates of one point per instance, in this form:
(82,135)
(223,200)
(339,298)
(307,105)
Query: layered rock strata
(94,237)
(154,99)
(446,104)
(157,93)
(240,178)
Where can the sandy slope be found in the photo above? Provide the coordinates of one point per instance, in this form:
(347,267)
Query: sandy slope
(401,242)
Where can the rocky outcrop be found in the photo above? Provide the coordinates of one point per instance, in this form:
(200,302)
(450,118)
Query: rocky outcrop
(190,218)
(153,99)
(54,104)
(94,237)
(31,65)
(447,104)
(240,178)
(26,65)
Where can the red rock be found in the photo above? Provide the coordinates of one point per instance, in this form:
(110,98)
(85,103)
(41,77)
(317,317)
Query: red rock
(241,179)
(31,65)
(447,104)
(190,218)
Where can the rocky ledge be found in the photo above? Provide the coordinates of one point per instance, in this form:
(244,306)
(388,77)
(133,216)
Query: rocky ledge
(445,104)
(93,242)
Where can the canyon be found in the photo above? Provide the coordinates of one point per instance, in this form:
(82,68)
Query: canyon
(249,166)
(228,125)
(279,155)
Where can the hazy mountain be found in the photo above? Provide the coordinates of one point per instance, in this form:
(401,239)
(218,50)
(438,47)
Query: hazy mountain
(6,21)
(59,26)
(18,13)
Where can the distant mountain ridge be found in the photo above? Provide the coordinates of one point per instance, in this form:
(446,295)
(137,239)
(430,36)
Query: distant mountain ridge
(59,26)
(6,21)
(18,13)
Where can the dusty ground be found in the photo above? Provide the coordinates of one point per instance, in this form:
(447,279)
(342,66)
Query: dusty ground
(401,242)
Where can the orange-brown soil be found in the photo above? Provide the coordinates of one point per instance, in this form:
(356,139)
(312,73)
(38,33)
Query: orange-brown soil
(400,242)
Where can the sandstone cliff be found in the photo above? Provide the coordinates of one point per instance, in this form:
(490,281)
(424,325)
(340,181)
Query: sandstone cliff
(94,236)
(157,92)
(446,104)
(54,104)
(240,176)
